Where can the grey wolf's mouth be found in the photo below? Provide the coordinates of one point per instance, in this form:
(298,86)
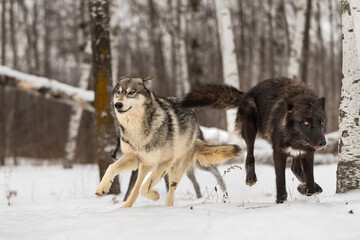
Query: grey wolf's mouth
(124,111)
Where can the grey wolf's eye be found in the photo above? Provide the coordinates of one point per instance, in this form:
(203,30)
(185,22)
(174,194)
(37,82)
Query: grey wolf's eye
(117,92)
(322,124)
(131,93)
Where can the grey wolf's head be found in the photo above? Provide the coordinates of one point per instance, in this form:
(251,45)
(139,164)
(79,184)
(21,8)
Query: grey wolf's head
(306,120)
(130,93)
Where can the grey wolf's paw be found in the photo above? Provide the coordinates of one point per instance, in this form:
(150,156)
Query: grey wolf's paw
(152,195)
(308,192)
(251,179)
(103,188)
(126,205)
(281,199)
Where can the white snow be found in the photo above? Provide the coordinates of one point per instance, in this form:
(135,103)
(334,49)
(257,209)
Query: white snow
(54,203)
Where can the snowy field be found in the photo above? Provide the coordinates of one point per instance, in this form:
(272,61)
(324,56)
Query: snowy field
(53,203)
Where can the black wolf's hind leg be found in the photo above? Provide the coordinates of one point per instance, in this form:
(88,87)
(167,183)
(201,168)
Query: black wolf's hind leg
(133,177)
(248,131)
(191,175)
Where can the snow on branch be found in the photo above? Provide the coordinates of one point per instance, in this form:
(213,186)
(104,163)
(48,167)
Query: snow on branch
(48,88)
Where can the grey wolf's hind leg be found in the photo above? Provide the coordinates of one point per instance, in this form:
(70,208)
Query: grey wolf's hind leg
(142,171)
(191,175)
(215,171)
(158,173)
(175,175)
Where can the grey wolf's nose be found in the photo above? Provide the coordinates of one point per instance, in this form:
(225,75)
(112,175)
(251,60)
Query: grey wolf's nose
(322,144)
(118,105)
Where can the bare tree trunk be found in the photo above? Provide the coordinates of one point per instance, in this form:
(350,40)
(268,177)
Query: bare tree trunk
(321,56)
(35,42)
(280,42)
(297,47)
(242,43)
(271,61)
(179,34)
(28,36)
(161,85)
(13,35)
(348,171)
(195,60)
(2,90)
(229,60)
(47,39)
(306,44)
(101,72)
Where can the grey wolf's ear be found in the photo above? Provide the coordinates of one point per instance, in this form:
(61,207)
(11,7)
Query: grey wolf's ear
(321,102)
(147,81)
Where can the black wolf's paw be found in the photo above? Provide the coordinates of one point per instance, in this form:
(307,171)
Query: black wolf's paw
(281,199)
(251,179)
(308,192)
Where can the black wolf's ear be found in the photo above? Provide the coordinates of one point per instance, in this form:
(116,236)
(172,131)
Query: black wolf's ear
(321,102)
(147,81)
(289,106)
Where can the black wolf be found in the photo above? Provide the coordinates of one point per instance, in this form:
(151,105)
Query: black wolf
(286,113)
(157,136)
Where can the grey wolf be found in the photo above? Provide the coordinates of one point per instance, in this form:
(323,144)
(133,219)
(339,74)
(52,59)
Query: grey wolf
(286,113)
(156,135)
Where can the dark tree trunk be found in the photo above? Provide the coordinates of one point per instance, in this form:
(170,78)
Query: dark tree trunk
(306,45)
(101,72)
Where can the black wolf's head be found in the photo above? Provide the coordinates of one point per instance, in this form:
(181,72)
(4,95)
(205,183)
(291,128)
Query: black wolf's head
(306,121)
(129,93)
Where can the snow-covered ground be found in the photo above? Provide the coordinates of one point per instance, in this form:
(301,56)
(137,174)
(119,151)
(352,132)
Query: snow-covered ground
(54,203)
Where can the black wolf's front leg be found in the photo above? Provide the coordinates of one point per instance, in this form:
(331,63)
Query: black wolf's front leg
(280,165)
(308,186)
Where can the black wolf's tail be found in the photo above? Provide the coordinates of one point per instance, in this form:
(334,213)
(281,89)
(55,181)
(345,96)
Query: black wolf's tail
(219,96)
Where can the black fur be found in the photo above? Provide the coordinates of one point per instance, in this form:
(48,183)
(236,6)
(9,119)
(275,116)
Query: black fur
(287,114)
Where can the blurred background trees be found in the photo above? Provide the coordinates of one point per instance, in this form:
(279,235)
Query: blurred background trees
(172,41)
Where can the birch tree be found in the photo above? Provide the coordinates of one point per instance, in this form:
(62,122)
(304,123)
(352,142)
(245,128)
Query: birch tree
(181,73)
(229,62)
(348,170)
(101,73)
(2,90)
(296,52)
(77,111)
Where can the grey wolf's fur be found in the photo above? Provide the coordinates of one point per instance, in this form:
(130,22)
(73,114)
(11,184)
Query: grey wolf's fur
(286,113)
(156,135)
(190,173)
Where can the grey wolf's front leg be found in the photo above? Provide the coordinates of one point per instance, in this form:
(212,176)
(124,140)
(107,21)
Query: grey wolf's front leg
(126,163)
(143,170)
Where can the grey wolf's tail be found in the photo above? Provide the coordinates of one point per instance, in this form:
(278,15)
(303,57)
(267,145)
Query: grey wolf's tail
(209,154)
(219,96)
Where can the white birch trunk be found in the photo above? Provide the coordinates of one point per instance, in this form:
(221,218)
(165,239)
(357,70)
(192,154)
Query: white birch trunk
(183,65)
(229,62)
(76,114)
(114,38)
(348,171)
(182,81)
(297,46)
